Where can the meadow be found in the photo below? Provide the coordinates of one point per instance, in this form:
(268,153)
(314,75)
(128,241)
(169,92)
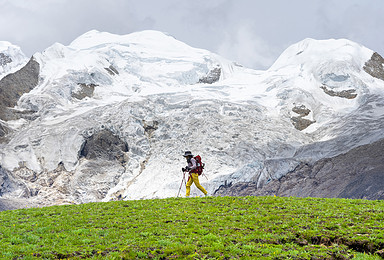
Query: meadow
(197,228)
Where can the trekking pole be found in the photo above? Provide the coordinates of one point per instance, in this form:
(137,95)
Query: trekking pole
(181,184)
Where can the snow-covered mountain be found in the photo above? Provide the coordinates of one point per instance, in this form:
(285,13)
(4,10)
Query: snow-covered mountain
(109,116)
(11,58)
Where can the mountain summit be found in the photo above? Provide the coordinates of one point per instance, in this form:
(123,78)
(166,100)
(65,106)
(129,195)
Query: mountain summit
(11,58)
(109,116)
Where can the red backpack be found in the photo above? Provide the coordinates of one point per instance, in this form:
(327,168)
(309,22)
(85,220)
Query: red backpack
(199,165)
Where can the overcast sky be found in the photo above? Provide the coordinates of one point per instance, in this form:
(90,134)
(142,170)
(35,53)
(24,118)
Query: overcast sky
(251,32)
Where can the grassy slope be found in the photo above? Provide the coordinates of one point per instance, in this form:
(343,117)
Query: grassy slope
(217,227)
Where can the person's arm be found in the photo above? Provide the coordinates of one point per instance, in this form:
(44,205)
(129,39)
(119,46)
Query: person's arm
(194,165)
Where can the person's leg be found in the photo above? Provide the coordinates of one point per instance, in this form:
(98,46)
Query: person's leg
(195,178)
(188,186)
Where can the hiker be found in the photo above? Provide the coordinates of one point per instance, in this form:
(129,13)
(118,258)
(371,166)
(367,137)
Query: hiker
(193,174)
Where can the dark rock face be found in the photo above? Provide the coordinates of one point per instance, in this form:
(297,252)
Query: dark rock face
(14,85)
(238,189)
(348,94)
(369,186)
(301,110)
(299,122)
(112,70)
(7,183)
(356,174)
(150,127)
(86,90)
(4,59)
(3,130)
(3,180)
(212,76)
(104,145)
(375,66)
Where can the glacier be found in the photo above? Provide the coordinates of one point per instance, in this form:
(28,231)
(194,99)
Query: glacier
(112,115)
(11,58)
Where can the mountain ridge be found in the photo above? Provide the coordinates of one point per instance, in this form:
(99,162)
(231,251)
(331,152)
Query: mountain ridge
(139,101)
(356,174)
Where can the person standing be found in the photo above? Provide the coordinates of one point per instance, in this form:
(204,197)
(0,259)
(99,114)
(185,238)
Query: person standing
(193,174)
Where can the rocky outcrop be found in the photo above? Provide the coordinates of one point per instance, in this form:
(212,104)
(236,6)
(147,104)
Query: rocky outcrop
(14,85)
(4,59)
(104,145)
(84,90)
(238,189)
(299,122)
(112,70)
(150,127)
(348,94)
(3,180)
(3,130)
(375,66)
(212,76)
(8,185)
(102,160)
(301,110)
(357,174)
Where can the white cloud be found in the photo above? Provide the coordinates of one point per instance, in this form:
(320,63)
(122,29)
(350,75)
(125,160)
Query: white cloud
(246,48)
(252,32)
(35,25)
(359,21)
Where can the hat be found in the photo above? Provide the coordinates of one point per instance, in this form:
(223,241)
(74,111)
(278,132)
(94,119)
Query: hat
(188,153)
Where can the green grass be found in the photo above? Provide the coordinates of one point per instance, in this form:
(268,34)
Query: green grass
(197,228)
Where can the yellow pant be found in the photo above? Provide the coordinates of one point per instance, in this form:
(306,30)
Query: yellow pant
(194,178)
